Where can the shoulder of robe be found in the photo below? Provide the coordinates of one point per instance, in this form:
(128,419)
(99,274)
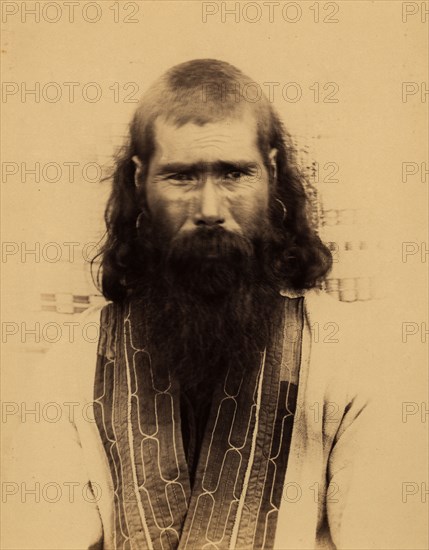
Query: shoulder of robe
(356,321)
(69,366)
(46,451)
(349,337)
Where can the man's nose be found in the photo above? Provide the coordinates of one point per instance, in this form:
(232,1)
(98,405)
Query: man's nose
(209,207)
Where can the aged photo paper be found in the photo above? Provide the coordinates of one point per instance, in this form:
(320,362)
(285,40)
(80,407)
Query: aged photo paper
(240,361)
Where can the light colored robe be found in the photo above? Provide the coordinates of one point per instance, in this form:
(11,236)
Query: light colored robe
(323,505)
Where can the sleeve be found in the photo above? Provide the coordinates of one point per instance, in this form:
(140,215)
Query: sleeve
(376,452)
(347,491)
(354,454)
(48,501)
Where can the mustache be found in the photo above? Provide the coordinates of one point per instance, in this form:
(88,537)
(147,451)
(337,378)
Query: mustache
(208,261)
(207,243)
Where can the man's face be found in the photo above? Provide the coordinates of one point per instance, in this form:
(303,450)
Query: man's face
(206,250)
(207,176)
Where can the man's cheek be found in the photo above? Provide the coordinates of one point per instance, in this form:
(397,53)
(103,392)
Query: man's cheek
(250,215)
(172,216)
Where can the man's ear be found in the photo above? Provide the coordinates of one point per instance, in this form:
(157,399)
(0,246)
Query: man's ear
(273,163)
(139,169)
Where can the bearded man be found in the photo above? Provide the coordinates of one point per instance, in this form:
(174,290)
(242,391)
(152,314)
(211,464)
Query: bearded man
(218,420)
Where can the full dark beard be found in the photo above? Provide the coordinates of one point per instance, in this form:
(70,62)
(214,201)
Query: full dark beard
(210,307)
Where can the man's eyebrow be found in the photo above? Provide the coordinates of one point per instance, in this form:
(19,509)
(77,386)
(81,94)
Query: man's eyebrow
(217,166)
(172,167)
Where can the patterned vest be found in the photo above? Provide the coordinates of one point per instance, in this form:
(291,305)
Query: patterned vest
(240,470)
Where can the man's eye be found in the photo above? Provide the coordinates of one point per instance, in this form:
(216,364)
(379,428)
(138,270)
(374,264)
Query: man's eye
(181,177)
(233,175)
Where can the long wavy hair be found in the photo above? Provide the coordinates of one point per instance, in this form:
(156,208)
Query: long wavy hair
(203,91)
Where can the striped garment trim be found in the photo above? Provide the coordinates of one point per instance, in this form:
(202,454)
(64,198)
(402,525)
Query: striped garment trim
(241,468)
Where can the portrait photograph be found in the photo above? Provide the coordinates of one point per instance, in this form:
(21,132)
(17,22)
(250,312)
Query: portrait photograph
(214,275)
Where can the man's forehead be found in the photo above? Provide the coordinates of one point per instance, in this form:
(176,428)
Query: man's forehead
(233,137)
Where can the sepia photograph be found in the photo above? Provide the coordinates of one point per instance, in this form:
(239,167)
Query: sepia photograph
(214,275)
